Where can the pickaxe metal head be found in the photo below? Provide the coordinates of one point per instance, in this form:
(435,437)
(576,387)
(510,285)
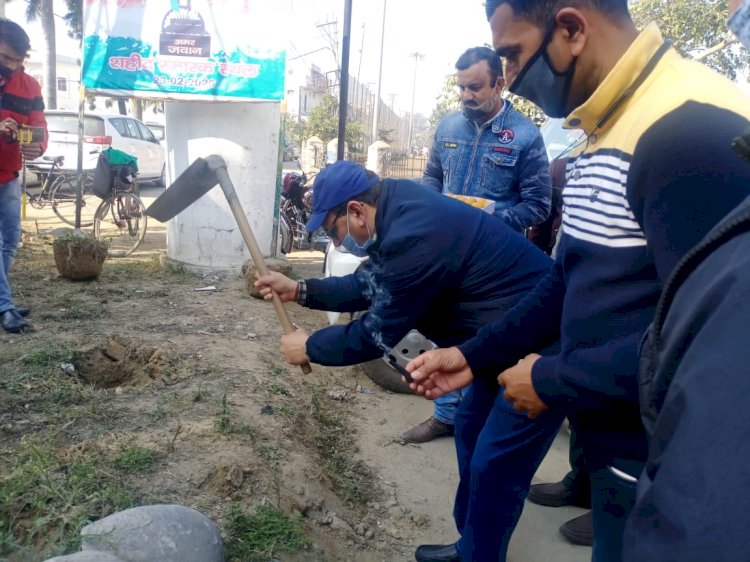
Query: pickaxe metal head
(197,180)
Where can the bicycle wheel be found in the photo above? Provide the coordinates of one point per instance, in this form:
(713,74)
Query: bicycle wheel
(63,197)
(121,220)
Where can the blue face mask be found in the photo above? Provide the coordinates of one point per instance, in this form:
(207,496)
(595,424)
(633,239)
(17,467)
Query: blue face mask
(541,84)
(351,244)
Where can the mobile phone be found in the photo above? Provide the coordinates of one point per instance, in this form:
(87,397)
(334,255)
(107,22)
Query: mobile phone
(27,135)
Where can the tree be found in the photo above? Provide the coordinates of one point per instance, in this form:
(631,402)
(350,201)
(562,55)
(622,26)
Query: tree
(449,101)
(74,18)
(42,9)
(323,122)
(698,29)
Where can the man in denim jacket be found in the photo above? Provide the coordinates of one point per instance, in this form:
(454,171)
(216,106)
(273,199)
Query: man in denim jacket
(487,150)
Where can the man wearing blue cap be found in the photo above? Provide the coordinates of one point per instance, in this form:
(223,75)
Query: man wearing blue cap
(435,264)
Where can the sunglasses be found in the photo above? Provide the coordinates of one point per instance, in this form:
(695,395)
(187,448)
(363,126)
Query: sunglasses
(333,230)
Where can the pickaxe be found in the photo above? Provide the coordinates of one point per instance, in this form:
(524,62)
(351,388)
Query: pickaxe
(199,178)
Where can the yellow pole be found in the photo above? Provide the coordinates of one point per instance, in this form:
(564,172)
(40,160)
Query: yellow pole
(23,193)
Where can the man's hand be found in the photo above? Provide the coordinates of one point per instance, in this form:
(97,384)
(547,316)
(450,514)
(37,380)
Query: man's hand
(285,287)
(294,348)
(733,6)
(519,389)
(439,372)
(8,126)
(31,150)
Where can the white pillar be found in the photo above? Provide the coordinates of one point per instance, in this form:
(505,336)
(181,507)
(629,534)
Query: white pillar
(205,235)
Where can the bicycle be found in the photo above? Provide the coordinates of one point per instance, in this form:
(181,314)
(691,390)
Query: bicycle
(59,191)
(120,219)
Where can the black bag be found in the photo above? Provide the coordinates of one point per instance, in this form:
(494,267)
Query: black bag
(107,177)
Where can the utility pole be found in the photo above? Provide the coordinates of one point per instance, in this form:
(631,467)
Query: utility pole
(417,57)
(376,113)
(344,82)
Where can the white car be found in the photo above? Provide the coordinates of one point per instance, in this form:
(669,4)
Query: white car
(560,142)
(99,132)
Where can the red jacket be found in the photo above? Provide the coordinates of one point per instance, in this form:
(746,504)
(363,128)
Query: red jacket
(21,101)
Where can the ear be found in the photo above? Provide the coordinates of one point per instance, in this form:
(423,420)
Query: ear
(500,84)
(355,208)
(575,28)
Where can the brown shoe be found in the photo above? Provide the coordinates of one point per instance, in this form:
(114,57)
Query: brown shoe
(427,431)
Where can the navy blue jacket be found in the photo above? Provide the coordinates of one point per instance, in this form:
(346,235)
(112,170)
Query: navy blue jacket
(438,265)
(693,495)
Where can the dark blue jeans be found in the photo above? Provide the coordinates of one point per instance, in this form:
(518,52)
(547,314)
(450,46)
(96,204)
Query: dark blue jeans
(499,450)
(612,499)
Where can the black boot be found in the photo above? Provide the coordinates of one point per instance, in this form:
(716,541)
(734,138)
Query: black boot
(437,553)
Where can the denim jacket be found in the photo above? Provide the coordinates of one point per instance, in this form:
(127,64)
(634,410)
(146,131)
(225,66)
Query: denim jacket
(503,160)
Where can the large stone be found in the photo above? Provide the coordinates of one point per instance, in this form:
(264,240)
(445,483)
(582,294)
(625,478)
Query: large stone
(167,533)
(249,272)
(88,556)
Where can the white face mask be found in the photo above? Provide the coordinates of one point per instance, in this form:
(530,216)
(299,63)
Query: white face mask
(482,111)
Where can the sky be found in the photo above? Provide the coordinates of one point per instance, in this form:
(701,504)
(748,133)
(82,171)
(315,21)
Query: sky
(439,29)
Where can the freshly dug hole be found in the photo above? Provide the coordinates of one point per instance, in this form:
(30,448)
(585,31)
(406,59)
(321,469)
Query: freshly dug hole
(120,363)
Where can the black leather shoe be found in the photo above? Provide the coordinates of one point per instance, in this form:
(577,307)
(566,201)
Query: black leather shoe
(557,495)
(437,553)
(579,530)
(24,312)
(12,321)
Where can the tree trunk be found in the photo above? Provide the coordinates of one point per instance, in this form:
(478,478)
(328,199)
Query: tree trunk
(47,18)
(136,108)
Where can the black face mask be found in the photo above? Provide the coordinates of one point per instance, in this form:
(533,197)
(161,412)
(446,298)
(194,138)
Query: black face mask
(541,84)
(6,71)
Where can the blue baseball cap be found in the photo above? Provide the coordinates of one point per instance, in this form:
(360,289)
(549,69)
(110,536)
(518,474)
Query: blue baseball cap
(337,183)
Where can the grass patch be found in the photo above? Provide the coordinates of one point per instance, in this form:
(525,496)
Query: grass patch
(135,460)
(353,480)
(279,389)
(47,495)
(223,422)
(134,268)
(31,374)
(273,368)
(262,535)
(70,306)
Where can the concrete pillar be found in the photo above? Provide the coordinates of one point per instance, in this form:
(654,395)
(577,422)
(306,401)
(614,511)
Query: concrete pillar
(378,157)
(332,151)
(205,235)
(313,155)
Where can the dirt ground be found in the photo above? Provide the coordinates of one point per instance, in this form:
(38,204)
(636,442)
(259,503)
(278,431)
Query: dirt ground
(137,388)
(139,360)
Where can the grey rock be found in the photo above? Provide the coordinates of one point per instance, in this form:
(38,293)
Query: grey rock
(339,524)
(168,533)
(88,556)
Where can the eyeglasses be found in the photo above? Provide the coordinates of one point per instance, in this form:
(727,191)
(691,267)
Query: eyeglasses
(333,230)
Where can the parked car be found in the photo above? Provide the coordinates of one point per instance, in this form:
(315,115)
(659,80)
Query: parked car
(100,131)
(559,140)
(159,130)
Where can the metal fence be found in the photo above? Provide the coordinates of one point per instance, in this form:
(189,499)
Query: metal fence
(405,166)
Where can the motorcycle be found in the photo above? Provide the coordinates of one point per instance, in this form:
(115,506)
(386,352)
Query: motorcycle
(294,211)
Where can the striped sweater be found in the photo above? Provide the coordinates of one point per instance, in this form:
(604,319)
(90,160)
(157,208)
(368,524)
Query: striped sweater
(655,174)
(21,101)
